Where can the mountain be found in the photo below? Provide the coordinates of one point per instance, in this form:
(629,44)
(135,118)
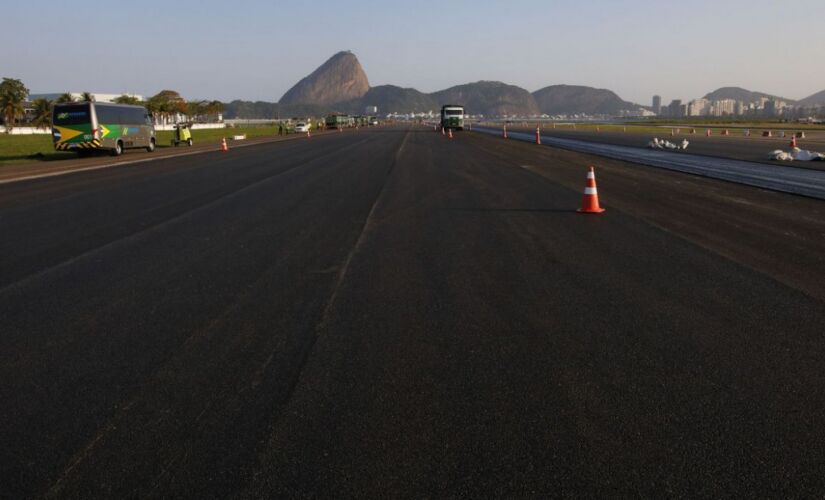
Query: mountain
(571,99)
(392,99)
(740,94)
(341,78)
(489,99)
(817,99)
(270,110)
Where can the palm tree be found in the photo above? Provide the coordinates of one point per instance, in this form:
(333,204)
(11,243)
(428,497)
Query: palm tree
(126,99)
(42,113)
(215,108)
(65,97)
(87,97)
(12,95)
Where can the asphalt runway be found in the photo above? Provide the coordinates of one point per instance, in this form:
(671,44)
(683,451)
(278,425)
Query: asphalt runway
(786,179)
(734,146)
(391,313)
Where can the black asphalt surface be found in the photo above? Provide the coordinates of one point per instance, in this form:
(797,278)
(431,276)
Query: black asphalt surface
(734,146)
(387,313)
(786,179)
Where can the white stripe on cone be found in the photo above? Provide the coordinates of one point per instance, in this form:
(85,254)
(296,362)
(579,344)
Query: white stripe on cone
(590,191)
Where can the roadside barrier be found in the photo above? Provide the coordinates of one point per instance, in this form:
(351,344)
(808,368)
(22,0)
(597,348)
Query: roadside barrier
(590,200)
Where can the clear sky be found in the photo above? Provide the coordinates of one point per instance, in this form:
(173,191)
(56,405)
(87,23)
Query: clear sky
(256,50)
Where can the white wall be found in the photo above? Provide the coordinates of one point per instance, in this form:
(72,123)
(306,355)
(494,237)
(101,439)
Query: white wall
(26,130)
(47,131)
(195,126)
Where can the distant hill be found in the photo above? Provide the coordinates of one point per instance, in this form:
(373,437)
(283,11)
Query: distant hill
(270,110)
(341,78)
(571,99)
(817,99)
(489,99)
(392,99)
(740,94)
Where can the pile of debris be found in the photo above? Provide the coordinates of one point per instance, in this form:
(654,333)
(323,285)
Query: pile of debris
(657,143)
(796,154)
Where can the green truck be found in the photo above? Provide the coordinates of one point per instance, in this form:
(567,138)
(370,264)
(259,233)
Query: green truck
(452,117)
(337,120)
(89,126)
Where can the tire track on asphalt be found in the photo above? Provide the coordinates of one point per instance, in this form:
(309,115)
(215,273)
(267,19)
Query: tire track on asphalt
(155,227)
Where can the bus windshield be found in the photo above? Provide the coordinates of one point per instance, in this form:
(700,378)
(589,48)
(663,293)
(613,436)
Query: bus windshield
(453,112)
(72,114)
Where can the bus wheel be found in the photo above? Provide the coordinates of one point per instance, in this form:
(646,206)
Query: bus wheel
(151,146)
(118,149)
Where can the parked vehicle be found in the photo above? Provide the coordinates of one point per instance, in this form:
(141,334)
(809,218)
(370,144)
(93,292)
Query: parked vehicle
(88,126)
(338,121)
(182,134)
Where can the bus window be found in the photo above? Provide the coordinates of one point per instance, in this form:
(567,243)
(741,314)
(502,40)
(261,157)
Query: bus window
(72,114)
(106,115)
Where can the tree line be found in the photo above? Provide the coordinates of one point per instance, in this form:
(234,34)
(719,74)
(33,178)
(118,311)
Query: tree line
(165,105)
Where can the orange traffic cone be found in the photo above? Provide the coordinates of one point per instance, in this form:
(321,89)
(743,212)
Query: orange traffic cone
(224,147)
(538,135)
(707,133)
(442,131)
(308,134)
(504,131)
(450,133)
(598,129)
(590,201)
(793,141)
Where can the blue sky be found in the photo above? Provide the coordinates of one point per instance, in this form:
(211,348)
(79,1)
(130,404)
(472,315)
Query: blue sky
(256,50)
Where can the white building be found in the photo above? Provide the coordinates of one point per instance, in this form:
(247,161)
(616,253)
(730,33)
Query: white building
(698,107)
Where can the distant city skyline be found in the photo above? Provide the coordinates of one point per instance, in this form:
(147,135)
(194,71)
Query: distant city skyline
(257,51)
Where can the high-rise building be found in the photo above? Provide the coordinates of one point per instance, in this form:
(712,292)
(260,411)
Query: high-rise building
(723,107)
(657,104)
(698,107)
(676,110)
